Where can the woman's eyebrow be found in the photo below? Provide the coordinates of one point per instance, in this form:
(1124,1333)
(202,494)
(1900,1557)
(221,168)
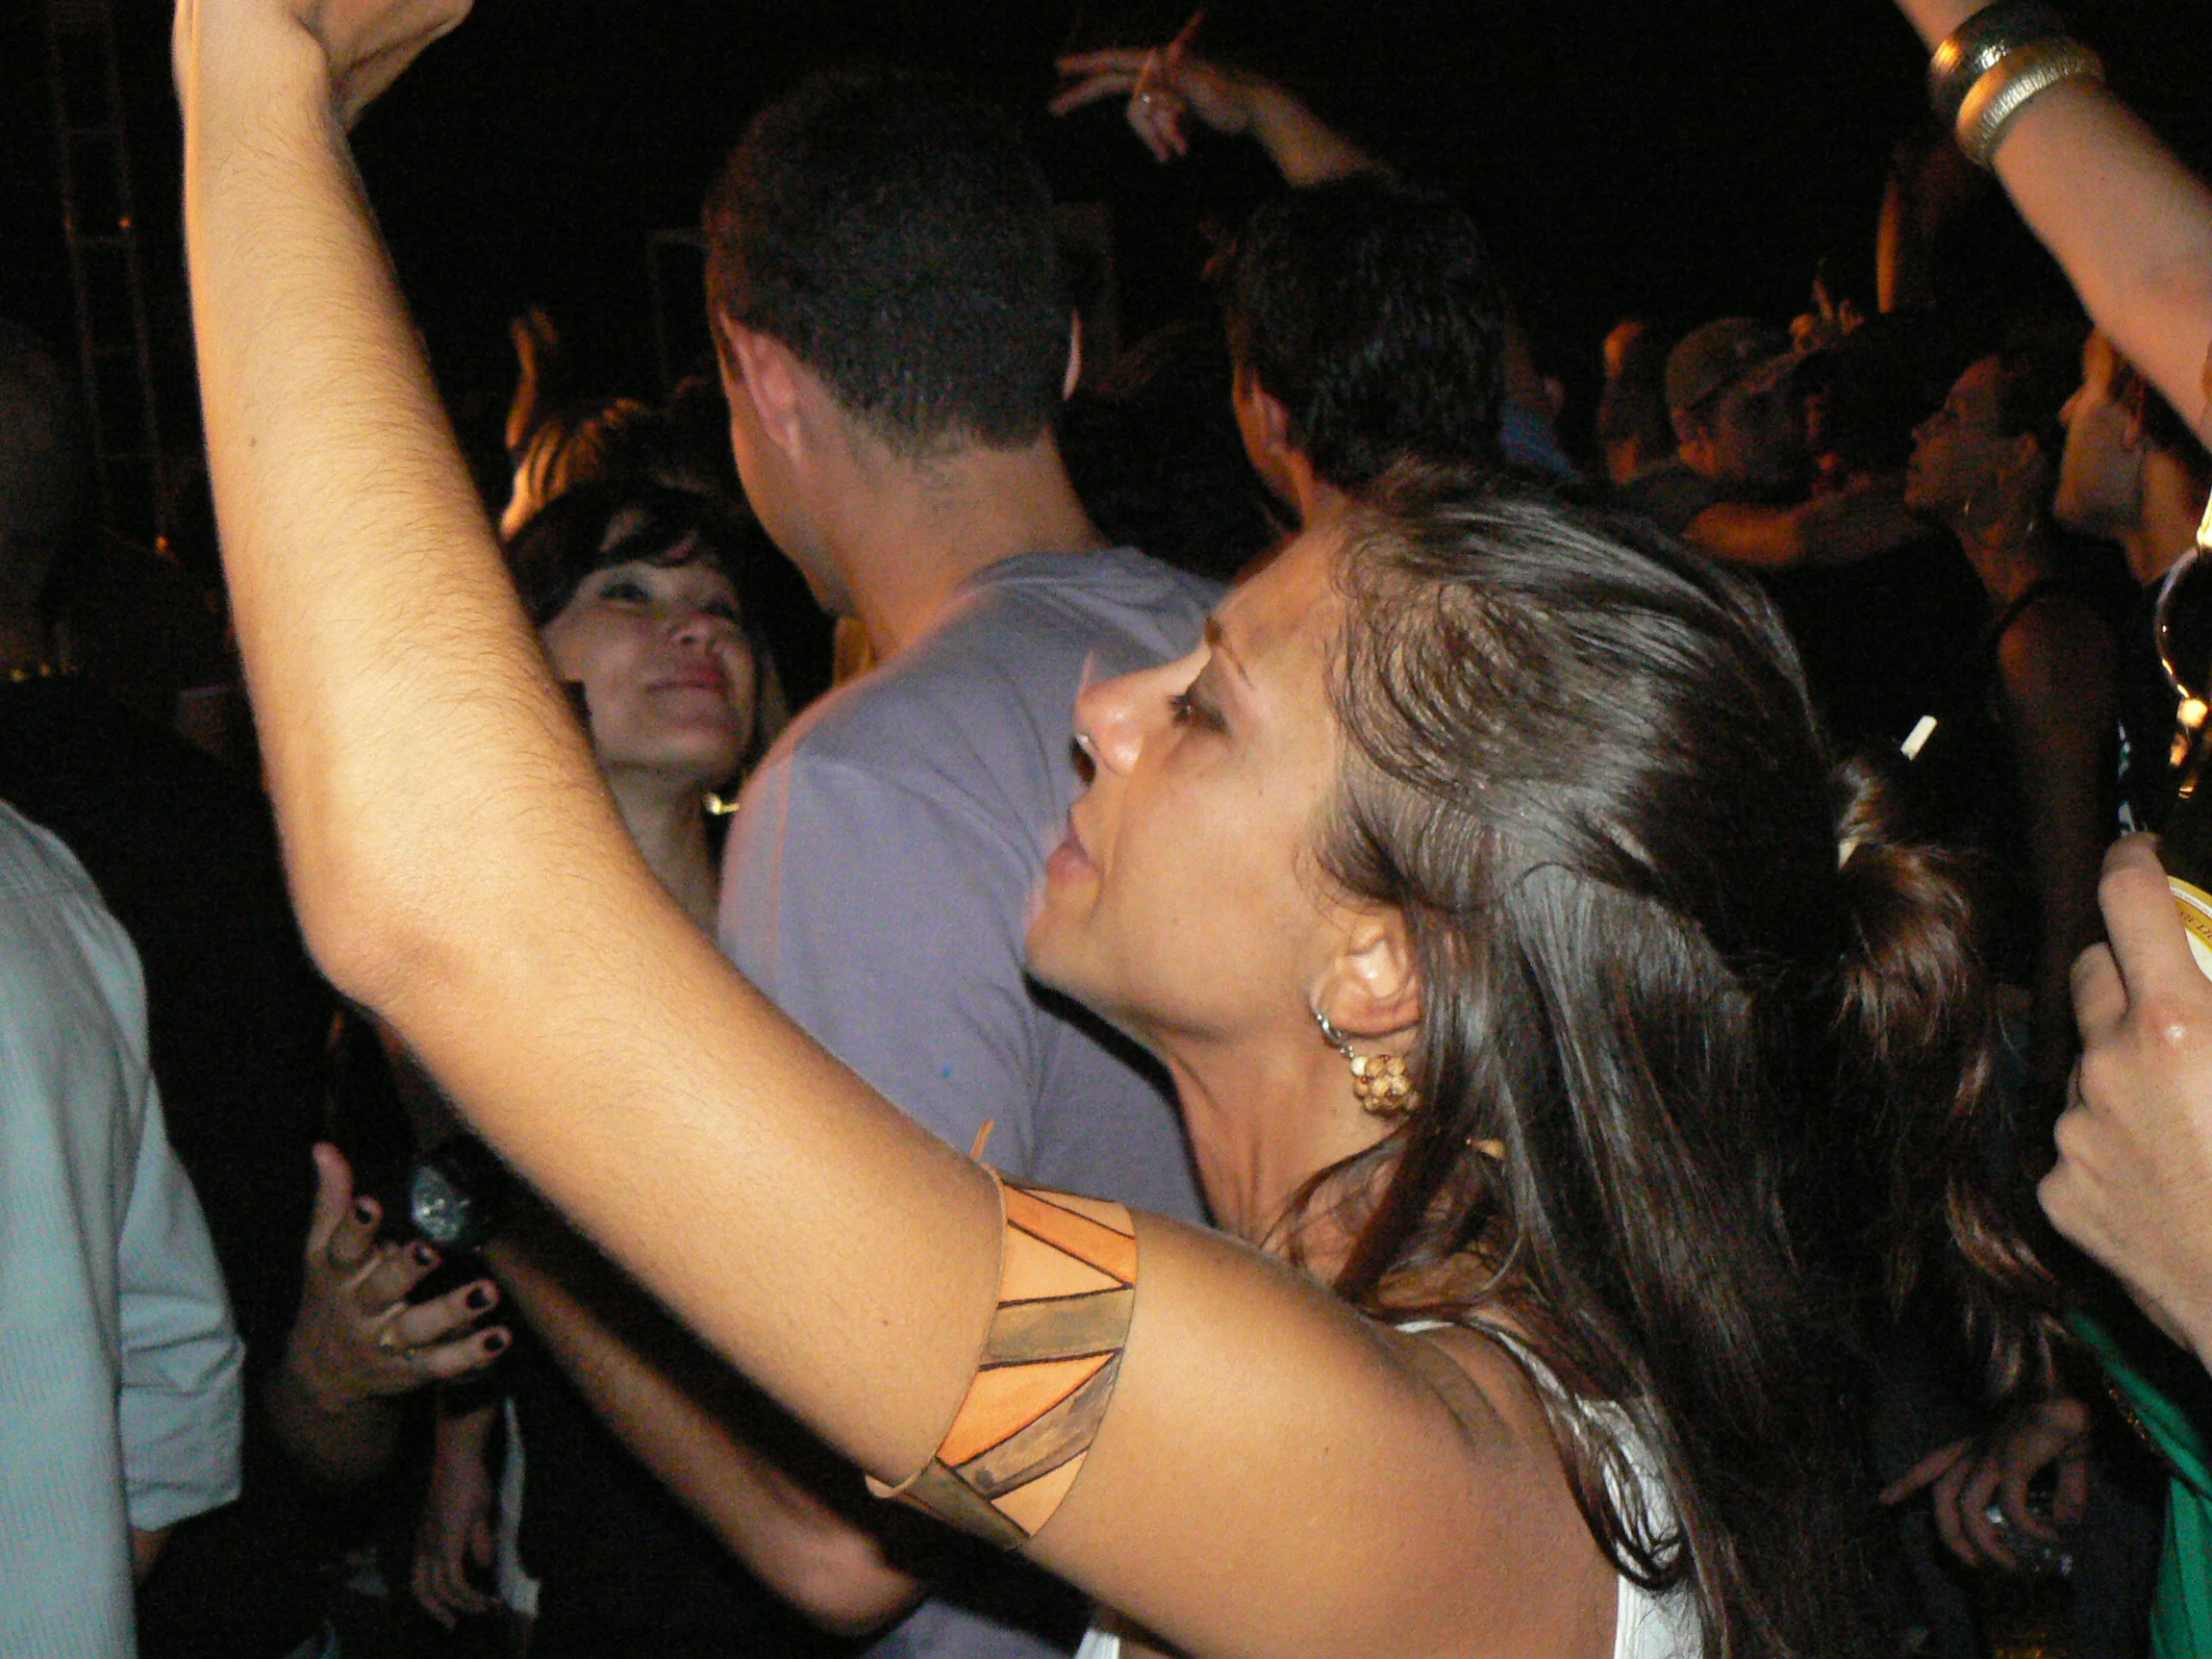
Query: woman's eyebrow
(1217,637)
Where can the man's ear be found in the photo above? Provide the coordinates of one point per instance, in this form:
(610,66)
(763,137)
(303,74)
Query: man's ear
(2135,432)
(1075,376)
(772,380)
(1687,429)
(1264,421)
(1371,987)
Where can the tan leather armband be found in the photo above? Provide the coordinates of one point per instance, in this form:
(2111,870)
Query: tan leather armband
(1067,1286)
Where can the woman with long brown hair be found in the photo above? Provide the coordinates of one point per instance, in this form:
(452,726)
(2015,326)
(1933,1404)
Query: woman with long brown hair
(1525,977)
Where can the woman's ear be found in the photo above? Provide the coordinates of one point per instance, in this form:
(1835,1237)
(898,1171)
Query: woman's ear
(2025,467)
(1370,986)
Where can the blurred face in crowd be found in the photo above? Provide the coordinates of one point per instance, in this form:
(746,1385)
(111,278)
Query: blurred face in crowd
(1960,453)
(1185,903)
(665,664)
(1752,433)
(2100,471)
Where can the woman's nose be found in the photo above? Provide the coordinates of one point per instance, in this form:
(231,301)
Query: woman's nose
(690,624)
(1113,716)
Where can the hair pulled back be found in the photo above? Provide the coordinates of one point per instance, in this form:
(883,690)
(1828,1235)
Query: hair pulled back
(1720,1059)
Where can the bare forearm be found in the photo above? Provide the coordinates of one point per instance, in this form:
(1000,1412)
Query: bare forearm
(2130,226)
(668,1415)
(435,798)
(1901,277)
(1828,530)
(1304,149)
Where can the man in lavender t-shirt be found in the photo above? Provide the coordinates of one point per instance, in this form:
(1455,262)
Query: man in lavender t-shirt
(880,871)
(884,280)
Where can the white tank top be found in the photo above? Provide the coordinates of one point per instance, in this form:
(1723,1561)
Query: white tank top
(1645,1625)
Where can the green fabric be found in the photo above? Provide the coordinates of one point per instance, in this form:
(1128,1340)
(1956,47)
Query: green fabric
(2172,1402)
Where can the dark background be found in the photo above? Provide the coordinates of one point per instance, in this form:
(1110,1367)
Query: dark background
(1688,158)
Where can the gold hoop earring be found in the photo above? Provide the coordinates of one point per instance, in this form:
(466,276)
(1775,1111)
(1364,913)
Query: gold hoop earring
(1379,1082)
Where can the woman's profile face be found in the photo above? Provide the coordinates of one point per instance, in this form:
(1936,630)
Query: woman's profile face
(1185,903)
(1958,450)
(664,667)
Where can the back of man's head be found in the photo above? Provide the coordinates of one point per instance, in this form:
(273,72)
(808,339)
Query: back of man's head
(45,464)
(1371,313)
(895,236)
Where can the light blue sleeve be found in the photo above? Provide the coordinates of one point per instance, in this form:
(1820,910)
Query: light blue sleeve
(119,1372)
(183,1395)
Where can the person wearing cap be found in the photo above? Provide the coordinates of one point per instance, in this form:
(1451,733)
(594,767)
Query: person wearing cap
(1736,485)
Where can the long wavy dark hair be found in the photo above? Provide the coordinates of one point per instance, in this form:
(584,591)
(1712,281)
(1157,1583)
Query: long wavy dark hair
(1731,1036)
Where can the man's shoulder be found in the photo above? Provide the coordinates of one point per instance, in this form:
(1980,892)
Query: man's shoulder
(1007,658)
(35,864)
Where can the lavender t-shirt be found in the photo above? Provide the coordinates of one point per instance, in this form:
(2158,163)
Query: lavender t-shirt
(878,881)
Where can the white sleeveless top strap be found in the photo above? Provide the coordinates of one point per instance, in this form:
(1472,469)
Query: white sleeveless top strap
(1645,1625)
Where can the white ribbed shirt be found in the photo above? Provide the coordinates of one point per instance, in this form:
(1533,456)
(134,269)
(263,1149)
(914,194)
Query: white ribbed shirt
(120,1389)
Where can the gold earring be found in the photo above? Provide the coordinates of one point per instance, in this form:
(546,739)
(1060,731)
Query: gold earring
(1379,1082)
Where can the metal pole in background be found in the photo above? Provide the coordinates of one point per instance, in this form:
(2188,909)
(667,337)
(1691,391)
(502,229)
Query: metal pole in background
(98,226)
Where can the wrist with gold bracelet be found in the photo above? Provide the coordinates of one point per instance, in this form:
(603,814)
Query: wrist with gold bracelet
(1997,63)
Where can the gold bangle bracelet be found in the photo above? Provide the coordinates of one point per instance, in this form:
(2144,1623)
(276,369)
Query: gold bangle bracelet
(1981,43)
(1067,1288)
(1995,99)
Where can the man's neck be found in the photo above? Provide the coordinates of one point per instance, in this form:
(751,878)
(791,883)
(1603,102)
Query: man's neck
(2173,501)
(913,534)
(1317,500)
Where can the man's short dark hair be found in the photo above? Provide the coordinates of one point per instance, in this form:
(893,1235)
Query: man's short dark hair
(1371,311)
(896,236)
(2038,367)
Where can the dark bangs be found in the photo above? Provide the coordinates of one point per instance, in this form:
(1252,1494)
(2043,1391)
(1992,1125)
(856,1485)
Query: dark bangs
(596,526)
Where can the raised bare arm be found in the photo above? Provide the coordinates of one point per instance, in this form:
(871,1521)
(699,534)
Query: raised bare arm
(2131,227)
(1275,1475)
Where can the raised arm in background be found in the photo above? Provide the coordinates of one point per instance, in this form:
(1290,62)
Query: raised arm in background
(458,867)
(2130,226)
(1170,85)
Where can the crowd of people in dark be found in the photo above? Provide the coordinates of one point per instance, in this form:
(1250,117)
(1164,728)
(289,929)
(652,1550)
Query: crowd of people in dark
(1616,993)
